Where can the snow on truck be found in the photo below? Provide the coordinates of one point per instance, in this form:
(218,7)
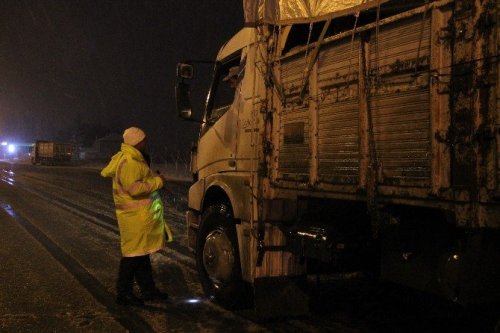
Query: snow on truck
(51,153)
(361,136)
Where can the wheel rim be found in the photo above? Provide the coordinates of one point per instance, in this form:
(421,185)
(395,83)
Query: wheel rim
(218,257)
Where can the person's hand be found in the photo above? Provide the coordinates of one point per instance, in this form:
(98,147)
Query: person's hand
(163,179)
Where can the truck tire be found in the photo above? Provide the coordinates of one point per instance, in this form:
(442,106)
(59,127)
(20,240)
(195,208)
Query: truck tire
(218,261)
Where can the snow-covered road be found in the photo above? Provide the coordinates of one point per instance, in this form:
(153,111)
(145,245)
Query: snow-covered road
(59,258)
(70,213)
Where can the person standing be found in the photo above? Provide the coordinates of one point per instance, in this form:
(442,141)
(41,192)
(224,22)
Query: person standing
(139,211)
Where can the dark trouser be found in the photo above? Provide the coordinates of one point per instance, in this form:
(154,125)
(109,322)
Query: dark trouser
(138,268)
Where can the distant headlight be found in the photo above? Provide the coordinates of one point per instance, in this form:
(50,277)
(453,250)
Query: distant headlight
(11,148)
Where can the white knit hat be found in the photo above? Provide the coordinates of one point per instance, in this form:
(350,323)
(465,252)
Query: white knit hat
(133,136)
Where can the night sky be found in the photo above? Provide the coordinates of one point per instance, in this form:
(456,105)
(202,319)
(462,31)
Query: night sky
(103,65)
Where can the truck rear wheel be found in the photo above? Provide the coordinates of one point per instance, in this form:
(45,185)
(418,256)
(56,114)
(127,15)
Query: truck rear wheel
(217,259)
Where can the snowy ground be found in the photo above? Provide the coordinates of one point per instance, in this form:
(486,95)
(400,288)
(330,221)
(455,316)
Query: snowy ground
(73,207)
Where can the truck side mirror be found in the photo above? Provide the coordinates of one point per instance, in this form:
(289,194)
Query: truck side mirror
(183,100)
(185,71)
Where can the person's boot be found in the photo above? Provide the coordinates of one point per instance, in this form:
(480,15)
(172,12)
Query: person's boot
(124,284)
(144,278)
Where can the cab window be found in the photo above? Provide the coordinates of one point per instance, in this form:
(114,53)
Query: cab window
(227,77)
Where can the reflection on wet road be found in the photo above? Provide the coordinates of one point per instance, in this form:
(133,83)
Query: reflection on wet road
(7,176)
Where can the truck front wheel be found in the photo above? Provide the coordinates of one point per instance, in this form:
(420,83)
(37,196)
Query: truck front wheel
(217,258)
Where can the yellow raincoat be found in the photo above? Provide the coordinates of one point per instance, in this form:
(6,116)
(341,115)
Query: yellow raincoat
(139,207)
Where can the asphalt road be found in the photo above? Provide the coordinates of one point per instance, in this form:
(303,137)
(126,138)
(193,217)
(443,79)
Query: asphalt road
(59,254)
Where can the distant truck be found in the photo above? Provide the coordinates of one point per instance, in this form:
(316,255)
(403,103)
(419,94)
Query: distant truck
(51,153)
(363,139)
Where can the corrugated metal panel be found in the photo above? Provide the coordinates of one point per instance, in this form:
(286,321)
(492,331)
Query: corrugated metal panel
(400,105)
(294,155)
(338,145)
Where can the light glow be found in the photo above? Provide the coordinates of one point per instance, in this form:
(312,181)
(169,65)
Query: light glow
(11,148)
(193,301)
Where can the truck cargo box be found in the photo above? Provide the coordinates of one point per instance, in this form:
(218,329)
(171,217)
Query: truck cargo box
(51,153)
(401,110)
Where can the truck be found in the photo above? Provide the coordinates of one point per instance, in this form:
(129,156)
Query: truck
(51,153)
(362,136)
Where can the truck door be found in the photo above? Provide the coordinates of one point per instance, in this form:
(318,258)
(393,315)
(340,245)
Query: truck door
(218,137)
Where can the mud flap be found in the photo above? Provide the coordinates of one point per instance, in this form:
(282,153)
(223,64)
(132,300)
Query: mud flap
(277,297)
(468,275)
(480,268)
